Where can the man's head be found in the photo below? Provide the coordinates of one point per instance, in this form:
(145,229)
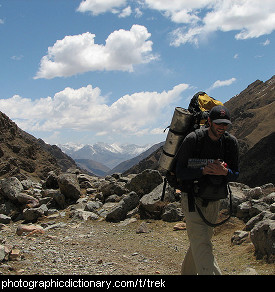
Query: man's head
(220,115)
(219,119)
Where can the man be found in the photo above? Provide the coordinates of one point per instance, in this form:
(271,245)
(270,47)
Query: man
(221,149)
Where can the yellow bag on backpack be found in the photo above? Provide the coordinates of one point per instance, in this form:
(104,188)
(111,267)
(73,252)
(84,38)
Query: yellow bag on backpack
(206,103)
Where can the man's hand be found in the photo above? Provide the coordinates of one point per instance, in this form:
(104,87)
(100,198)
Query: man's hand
(216,168)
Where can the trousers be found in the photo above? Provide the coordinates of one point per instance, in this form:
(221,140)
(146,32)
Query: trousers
(199,259)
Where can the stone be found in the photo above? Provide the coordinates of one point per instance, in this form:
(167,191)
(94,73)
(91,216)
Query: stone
(151,205)
(263,238)
(5,219)
(142,228)
(10,188)
(32,214)
(119,212)
(172,212)
(145,182)
(69,186)
(239,237)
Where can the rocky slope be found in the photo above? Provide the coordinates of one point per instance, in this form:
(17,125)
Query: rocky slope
(23,155)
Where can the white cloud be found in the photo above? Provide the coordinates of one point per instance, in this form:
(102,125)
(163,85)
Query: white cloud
(250,18)
(86,109)
(100,6)
(220,83)
(79,53)
(125,12)
(266,43)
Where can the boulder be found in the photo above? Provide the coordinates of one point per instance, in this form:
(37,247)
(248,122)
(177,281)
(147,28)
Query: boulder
(51,181)
(263,238)
(32,214)
(119,212)
(10,188)
(145,182)
(69,186)
(151,205)
(110,188)
(172,212)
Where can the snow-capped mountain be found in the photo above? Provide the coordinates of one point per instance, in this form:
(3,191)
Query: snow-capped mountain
(107,154)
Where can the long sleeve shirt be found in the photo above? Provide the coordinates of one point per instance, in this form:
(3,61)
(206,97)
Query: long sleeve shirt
(209,150)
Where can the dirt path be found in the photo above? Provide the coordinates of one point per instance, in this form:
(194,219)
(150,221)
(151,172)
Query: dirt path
(102,248)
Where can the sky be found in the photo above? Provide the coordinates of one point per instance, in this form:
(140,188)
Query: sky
(113,71)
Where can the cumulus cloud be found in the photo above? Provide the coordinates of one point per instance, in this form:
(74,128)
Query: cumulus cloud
(79,53)
(86,109)
(250,18)
(100,6)
(220,83)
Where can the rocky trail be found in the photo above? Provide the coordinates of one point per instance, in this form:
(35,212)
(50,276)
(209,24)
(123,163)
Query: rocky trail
(73,247)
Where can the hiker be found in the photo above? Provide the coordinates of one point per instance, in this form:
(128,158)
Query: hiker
(203,187)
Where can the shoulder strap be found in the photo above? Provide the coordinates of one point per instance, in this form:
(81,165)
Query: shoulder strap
(200,135)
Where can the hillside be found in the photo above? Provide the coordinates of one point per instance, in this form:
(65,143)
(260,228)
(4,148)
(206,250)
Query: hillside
(128,164)
(257,164)
(253,111)
(23,155)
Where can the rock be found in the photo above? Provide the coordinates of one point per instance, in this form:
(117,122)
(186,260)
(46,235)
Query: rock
(180,226)
(145,182)
(69,186)
(27,199)
(151,205)
(84,215)
(254,193)
(257,207)
(119,212)
(56,195)
(10,188)
(28,229)
(239,237)
(15,255)
(243,211)
(261,216)
(263,238)
(113,188)
(143,228)
(2,252)
(172,212)
(8,208)
(51,181)
(32,214)
(93,206)
(5,219)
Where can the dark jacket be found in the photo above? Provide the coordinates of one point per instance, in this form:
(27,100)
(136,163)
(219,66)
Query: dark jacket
(225,149)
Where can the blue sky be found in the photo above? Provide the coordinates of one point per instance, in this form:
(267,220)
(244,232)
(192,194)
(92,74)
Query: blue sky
(114,70)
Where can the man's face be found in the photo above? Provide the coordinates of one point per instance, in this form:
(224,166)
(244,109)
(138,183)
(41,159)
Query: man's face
(217,129)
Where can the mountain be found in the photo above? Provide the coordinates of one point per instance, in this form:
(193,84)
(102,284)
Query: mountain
(126,165)
(109,155)
(24,156)
(252,113)
(93,167)
(257,164)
